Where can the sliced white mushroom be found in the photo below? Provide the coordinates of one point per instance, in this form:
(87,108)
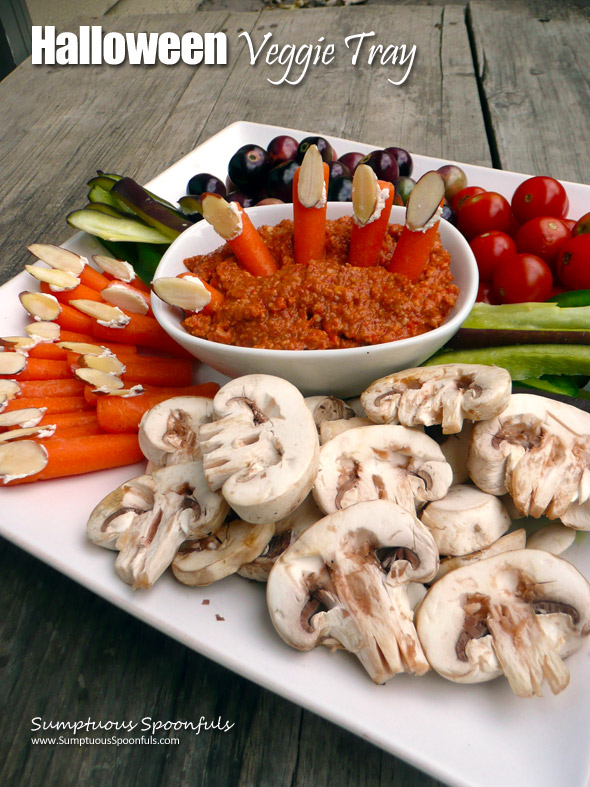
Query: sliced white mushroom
(465,520)
(12,362)
(41,305)
(44,331)
(286,532)
(21,459)
(516,539)
(554,538)
(184,508)
(438,395)
(327,408)
(58,258)
(380,463)
(519,613)
(455,448)
(329,429)
(343,584)
(207,560)
(538,450)
(168,432)
(262,448)
(25,417)
(356,406)
(116,512)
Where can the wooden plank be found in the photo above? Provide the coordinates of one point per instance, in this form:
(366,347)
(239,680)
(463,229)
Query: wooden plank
(78,119)
(423,114)
(536,64)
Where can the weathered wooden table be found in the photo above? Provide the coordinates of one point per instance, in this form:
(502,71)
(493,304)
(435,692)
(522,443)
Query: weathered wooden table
(493,84)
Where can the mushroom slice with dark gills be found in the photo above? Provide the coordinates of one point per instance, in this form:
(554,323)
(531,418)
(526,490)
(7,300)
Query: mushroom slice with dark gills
(537,450)
(380,463)
(203,561)
(168,432)
(262,447)
(444,394)
(328,408)
(518,613)
(147,520)
(344,584)
(286,531)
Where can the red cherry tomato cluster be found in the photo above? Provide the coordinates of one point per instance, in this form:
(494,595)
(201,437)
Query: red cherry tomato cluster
(526,249)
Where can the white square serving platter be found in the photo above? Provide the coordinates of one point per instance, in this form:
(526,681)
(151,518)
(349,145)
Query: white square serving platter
(480,735)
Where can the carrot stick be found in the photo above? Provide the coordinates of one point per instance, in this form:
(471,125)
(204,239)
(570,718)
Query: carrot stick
(169,372)
(412,251)
(49,351)
(51,388)
(366,240)
(309,225)
(117,414)
(69,456)
(81,291)
(74,431)
(52,404)
(142,330)
(187,390)
(71,319)
(251,250)
(41,369)
(93,279)
(70,419)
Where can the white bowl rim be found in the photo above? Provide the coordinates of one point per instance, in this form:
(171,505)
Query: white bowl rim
(448,326)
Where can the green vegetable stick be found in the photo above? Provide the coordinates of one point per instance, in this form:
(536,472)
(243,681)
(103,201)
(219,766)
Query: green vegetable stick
(529,316)
(524,361)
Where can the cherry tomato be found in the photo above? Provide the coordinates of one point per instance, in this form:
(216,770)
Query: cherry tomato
(573,263)
(489,248)
(482,213)
(539,196)
(582,225)
(543,237)
(521,278)
(485,293)
(468,191)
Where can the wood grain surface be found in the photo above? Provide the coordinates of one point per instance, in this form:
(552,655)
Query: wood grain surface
(65,653)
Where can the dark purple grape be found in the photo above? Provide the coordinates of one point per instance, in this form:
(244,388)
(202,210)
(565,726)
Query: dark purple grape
(248,167)
(340,190)
(403,187)
(282,148)
(229,186)
(350,160)
(455,179)
(279,183)
(322,145)
(205,183)
(338,170)
(383,165)
(404,161)
(449,214)
(243,199)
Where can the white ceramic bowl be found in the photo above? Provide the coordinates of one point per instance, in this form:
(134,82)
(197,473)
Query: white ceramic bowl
(341,373)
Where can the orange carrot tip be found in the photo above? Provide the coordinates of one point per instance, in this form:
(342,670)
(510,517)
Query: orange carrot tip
(58,258)
(126,297)
(186,292)
(230,221)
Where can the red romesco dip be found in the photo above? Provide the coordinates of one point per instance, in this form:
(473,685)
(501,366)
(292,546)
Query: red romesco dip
(328,304)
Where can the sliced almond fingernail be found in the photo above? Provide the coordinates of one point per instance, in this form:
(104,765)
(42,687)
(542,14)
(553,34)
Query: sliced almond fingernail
(12,362)
(27,416)
(311,186)
(18,434)
(125,297)
(10,388)
(84,348)
(109,316)
(120,269)
(21,459)
(58,258)
(188,292)
(59,281)
(104,363)
(223,216)
(44,331)
(126,393)
(365,193)
(21,344)
(103,382)
(41,305)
